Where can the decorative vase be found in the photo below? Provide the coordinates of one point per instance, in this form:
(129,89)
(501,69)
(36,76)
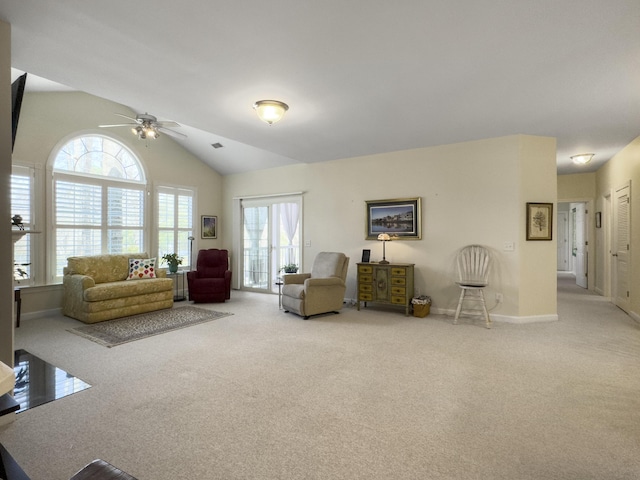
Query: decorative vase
(173,268)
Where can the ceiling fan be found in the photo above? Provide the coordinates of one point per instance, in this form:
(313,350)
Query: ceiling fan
(147,126)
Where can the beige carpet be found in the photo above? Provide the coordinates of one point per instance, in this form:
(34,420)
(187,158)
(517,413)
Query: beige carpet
(361,395)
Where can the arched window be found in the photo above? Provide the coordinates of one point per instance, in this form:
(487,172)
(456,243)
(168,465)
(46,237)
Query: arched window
(98,199)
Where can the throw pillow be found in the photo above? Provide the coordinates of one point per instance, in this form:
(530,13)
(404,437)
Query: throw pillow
(140,268)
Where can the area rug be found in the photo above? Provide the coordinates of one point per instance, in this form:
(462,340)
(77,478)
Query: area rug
(123,330)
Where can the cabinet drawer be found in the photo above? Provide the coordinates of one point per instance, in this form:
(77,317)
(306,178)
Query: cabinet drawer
(366,288)
(400,271)
(366,279)
(399,291)
(365,269)
(398,300)
(398,281)
(364,297)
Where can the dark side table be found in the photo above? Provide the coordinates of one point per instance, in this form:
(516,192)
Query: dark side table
(178,280)
(18,300)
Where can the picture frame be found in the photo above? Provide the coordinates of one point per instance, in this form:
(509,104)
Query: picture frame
(209,226)
(366,255)
(598,219)
(539,221)
(400,217)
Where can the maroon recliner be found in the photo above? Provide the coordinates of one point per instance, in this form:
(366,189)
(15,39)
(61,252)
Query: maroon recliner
(211,281)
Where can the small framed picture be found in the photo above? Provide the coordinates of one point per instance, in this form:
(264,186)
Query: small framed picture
(209,227)
(366,255)
(598,219)
(539,221)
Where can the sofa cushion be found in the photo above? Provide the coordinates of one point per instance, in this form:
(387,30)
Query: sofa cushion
(111,290)
(102,268)
(141,268)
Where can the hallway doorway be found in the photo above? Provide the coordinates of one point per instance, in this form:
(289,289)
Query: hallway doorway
(573,252)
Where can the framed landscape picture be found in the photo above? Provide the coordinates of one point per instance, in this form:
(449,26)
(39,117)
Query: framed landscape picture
(209,227)
(539,221)
(399,217)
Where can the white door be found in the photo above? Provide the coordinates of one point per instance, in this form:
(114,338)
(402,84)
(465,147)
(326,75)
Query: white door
(270,239)
(621,246)
(580,245)
(256,247)
(563,242)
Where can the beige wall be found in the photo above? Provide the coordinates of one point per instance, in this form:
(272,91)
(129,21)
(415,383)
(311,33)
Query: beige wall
(538,259)
(6,243)
(49,119)
(576,187)
(622,168)
(471,192)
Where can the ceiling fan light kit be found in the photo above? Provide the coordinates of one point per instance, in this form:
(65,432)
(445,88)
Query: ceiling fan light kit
(582,158)
(270,111)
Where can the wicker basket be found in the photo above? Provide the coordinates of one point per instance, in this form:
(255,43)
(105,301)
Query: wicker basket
(421,310)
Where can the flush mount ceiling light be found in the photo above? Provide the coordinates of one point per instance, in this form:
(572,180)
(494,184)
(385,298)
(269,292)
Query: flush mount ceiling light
(582,158)
(270,111)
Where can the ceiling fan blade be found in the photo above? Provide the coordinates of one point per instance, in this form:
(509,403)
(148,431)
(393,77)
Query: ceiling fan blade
(171,133)
(167,124)
(128,117)
(119,125)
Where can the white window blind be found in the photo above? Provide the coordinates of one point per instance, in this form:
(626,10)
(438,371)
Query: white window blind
(175,222)
(22,204)
(99,200)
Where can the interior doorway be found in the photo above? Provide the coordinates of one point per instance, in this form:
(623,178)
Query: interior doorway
(573,253)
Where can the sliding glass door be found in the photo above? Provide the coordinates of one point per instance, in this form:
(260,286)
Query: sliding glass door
(271,229)
(256,247)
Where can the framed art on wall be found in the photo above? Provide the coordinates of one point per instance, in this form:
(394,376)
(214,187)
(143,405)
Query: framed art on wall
(398,217)
(209,227)
(539,221)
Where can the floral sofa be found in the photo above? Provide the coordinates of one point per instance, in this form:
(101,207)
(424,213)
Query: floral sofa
(103,287)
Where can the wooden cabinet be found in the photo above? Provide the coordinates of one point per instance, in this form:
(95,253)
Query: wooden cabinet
(390,283)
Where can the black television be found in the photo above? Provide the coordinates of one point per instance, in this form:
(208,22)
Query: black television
(17,92)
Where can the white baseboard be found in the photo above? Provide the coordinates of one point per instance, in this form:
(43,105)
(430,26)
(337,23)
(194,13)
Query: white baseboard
(40,314)
(495,317)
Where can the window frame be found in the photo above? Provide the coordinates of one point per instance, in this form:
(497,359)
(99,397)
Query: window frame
(105,183)
(29,218)
(176,191)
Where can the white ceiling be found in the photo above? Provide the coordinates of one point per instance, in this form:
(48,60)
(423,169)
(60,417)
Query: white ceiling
(360,76)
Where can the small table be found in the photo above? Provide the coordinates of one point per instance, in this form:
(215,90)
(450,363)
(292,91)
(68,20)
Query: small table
(279,282)
(179,295)
(18,300)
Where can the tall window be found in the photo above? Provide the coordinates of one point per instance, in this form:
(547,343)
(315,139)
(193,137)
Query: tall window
(175,222)
(22,204)
(98,199)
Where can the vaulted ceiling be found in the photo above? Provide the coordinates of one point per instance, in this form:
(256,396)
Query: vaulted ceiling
(360,76)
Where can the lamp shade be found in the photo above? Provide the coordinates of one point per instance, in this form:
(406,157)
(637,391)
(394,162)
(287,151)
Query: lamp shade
(582,158)
(270,111)
(384,237)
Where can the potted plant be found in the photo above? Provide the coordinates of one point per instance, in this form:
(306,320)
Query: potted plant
(290,268)
(173,260)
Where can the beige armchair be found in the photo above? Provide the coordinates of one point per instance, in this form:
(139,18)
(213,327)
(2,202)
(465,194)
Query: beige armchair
(321,291)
